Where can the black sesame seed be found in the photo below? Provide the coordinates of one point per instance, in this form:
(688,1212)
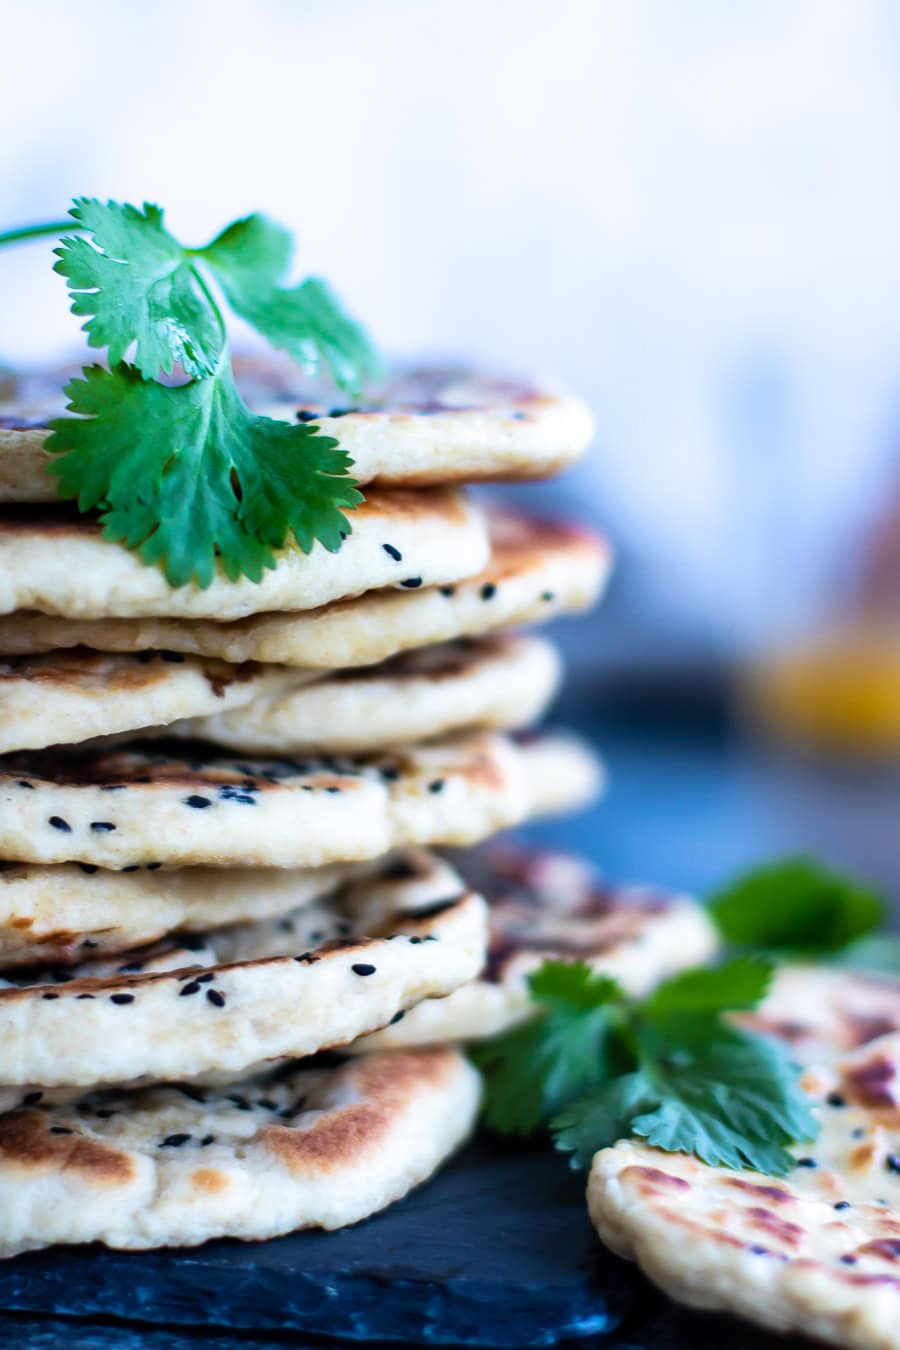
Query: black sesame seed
(759,1251)
(806,1162)
(83,996)
(32,1098)
(835,1099)
(60,1129)
(188,989)
(88,868)
(175,657)
(207,978)
(23,783)
(415,941)
(547,595)
(848,1260)
(488,591)
(210,1139)
(412,583)
(131,968)
(304,415)
(113,787)
(398,1017)
(307,958)
(842,1204)
(339,412)
(361,968)
(59,824)
(266,1104)
(151,867)
(122,999)
(393,552)
(132,867)
(215,998)
(892,1162)
(197,802)
(102,826)
(448,591)
(89,944)
(49,997)
(174,1140)
(437,786)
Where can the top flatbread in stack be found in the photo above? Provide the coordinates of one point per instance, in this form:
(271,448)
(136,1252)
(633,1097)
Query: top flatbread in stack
(425,427)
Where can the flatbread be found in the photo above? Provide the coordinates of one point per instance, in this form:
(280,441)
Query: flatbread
(62,914)
(817,1252)
(537,570)
(314,1148)
(293,986)
(426,426)
(498,682)
(822,1011)
(57,562)
(135,806)
(72,695)
(552,906)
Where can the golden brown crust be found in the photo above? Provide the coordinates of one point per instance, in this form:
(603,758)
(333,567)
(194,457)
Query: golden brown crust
(386,1085)
(30,1142)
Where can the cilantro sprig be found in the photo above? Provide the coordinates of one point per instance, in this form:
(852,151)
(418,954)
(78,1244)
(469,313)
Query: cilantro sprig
(595,1066)
(185,473)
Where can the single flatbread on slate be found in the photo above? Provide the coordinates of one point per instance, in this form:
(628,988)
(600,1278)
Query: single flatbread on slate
(498,682)
(312,1147)
(554,907)
(817,1252)
(538,569)
(446,425)
(58,562)
(292,986)
(122,808)
(71,696)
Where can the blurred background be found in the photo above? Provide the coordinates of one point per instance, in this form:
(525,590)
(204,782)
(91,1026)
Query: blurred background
(689,213)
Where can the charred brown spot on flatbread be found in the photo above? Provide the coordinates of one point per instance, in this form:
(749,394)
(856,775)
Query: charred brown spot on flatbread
(384,1086)
(28,1141)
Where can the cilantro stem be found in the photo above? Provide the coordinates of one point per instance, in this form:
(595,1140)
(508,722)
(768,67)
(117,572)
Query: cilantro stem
(26,232)
(210,300)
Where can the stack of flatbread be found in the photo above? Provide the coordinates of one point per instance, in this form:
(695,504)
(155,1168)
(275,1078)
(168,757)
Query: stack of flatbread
(216,811)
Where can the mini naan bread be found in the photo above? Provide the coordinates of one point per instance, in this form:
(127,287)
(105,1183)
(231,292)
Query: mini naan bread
(57,915)
(822,1011)
(293,986)
(312,1148)
(57,562)
(817,1252)
(70,696)
(134,806)
(425,427)
(498,682)
(537,570)
(549,907)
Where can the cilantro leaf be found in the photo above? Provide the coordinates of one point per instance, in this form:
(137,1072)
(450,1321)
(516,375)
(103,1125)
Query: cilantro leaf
(188,476)
(138,286)
(601,1117)
(534,1069)
(735,986)
(729,1098)
(249,260)
(796,906)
